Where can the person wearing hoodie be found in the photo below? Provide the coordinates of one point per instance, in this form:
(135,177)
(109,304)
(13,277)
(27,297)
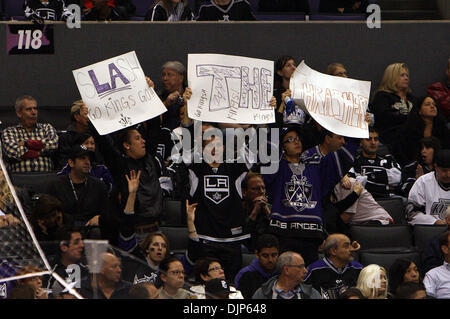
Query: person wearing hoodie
(289,284)
(261,269)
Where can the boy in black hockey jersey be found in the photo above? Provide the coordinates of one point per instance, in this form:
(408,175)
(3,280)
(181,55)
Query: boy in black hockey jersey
(219,217)
(380,175)
(39,10)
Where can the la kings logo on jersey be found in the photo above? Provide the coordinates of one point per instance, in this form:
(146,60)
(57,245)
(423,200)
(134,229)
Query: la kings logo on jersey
(217,187)
(298,190)
(161,150)
(47,14)
(438,208)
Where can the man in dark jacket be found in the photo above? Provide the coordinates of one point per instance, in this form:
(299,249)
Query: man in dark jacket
(261,269)
(84,197)
(337,271)
(290,283)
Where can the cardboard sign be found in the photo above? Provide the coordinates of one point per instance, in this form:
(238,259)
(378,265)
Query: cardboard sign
(230,89)
(116,93)
(338,104)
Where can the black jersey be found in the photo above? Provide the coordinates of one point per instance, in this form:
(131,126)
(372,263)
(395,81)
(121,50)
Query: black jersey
(330,281)
(220,215)
(236,10)
(381,175)
(54,10)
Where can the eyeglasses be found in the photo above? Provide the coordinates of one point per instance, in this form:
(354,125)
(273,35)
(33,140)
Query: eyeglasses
(215,268)
(292,139)
(177,272)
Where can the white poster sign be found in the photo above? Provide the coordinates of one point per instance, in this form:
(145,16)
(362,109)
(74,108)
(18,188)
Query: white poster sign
(230,89)
(338,104)
(116,93)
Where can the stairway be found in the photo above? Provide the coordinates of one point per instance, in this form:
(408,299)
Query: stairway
(409,10)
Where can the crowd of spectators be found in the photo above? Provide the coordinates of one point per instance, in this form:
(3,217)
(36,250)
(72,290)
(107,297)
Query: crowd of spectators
(296,220)
(184,10)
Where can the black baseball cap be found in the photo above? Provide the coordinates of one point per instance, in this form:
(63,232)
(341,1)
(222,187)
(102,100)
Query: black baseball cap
(80,151)
(217,286)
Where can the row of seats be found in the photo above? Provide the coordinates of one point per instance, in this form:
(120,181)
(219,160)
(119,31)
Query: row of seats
(381,245)
(35,182)
(13,10)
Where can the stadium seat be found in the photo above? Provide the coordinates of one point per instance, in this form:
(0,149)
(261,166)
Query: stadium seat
(332,17)
(394,206)
(178,238)
(382,237)
(387,258)
(279,16)
(314,6)
(247,258)
(423,234)
(172,214)
(142,7)
(32,182)
(14,9)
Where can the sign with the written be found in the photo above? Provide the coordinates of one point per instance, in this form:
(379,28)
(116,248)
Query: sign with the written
(230,89)
(29,39)
(338,104)
(116,93)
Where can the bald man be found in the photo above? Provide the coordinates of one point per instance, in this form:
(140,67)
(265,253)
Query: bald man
(109,285)
(337,271)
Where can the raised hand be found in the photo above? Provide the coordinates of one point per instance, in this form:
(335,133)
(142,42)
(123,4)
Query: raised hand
(133,181)
(190,211)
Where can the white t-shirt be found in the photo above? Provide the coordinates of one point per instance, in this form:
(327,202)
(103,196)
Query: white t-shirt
(199,291)
(426,192)
(365,208)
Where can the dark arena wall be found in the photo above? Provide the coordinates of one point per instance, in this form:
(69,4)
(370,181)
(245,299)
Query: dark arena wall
(423,45)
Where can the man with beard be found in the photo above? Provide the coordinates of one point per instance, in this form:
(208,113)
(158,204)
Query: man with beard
(84,197)
(337,271)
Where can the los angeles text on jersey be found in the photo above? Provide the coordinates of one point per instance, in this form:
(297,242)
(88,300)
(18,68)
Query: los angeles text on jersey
(295,225)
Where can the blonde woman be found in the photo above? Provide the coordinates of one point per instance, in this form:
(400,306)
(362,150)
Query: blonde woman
(7,219)
(372,282)
(392,102)
(170,10)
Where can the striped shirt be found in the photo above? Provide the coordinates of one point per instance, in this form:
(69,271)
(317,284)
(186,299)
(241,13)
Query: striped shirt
(12,136)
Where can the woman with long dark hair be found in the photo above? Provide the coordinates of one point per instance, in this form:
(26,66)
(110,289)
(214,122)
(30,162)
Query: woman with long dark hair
(403,270)
(424,120)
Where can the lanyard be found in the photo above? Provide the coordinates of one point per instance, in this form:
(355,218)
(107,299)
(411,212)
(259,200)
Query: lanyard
(73,188)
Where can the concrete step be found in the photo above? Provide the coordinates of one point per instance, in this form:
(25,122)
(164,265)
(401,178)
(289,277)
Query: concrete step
(410,15)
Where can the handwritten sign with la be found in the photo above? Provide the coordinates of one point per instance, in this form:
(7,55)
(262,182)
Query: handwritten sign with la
(338,104)
(230,89)
(116,93)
